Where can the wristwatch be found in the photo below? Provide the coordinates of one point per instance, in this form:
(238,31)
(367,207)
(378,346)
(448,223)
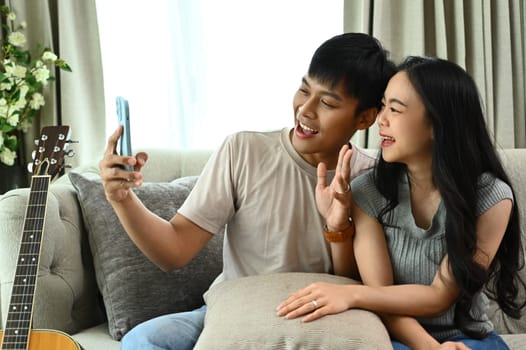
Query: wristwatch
(339,236)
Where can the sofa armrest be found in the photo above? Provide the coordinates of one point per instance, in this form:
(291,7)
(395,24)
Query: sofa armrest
(66,295)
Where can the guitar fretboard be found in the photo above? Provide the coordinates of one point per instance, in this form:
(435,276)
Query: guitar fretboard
(19,316)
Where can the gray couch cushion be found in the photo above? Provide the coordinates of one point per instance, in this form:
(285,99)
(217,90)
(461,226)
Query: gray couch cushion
(241,314)
(133,288)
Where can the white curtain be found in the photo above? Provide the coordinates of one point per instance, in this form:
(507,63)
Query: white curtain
(487,38)
(196,71)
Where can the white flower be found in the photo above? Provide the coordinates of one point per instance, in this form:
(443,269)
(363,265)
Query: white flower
(21,102)
(17,39)
(11,16)
(7,157)
(12,119)
(49,56)
(23,90)
(42,75)
(13,70)
(6,86)
(23,24)
(3,112)
(37,101)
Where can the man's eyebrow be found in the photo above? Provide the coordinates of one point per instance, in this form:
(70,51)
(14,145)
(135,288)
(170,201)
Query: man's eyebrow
(324,92)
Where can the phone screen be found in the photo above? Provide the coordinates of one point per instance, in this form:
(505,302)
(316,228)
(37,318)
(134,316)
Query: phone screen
(123,116)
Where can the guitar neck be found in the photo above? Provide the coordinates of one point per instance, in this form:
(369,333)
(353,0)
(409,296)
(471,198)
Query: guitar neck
(19,316)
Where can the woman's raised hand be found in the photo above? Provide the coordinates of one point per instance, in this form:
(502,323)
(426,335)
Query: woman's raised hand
(334,201)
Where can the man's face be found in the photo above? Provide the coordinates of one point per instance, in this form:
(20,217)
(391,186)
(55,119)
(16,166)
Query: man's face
(325,120)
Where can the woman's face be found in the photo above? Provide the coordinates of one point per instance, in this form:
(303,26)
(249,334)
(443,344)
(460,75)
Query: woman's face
(406,132)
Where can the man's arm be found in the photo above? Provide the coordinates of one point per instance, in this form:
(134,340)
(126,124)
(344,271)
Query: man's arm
(169,244)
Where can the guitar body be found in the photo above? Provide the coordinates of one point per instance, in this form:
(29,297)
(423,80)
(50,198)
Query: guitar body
(49,339)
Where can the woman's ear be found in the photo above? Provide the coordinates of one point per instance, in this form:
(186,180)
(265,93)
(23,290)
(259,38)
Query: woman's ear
(366,118)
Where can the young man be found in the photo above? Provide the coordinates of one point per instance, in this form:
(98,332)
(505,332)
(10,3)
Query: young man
(262,184)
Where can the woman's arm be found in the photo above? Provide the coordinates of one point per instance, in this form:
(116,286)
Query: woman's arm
(375,265)
(432,300)
(410,299)
(334,203)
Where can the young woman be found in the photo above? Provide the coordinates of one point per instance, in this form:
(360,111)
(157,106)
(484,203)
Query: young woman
(438,211)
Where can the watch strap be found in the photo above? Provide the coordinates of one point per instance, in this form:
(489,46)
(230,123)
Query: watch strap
(339,236)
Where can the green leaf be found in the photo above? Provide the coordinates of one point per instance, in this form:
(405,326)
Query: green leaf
(6,128)
(11,142)
(60,63)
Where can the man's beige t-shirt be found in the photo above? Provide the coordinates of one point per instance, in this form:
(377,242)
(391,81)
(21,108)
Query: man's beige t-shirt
(264,192)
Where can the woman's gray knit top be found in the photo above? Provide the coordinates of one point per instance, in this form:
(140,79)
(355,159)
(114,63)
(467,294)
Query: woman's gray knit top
(416,252)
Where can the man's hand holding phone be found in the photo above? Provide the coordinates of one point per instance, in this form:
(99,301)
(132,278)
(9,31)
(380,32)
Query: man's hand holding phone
(116,180)
(121,171)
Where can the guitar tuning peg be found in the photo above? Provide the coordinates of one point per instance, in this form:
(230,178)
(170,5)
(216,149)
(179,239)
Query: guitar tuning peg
(70,153)
(30,167)
(67,166)
(36,142)
(72,141)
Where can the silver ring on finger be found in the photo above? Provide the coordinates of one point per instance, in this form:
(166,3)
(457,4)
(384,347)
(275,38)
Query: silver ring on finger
(314,303)
(348,188)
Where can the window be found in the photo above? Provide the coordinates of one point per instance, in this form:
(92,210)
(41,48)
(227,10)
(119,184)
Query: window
(195,71)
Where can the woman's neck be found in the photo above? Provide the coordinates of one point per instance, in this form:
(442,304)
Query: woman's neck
(421,177)
(425,197)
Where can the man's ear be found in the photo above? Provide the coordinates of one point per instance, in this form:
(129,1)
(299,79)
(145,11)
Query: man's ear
(366,118)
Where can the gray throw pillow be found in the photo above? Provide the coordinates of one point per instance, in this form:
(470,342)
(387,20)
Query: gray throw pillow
(133,288)
(241,314)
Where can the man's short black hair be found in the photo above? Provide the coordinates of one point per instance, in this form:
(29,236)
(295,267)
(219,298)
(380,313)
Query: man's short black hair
(360,61)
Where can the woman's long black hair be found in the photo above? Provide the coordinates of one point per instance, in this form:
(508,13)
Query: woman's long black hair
(462,150)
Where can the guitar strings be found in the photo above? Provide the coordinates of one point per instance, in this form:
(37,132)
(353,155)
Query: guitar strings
(22,277)
(35,219)
(29,267)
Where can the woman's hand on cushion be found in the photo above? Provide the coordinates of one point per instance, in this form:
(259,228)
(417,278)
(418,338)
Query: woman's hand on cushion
(315,301)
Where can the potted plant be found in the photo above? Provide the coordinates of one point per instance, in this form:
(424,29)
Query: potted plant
(23,78)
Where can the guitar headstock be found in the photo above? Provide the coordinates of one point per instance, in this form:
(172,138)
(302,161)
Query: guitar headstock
(48,158)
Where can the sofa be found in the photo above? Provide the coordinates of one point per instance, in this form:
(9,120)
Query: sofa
(94,285)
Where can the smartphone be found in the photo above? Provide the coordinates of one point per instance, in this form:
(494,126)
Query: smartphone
(123,116)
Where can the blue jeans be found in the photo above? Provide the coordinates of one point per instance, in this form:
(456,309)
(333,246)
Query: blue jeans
(491,342)
(177,331)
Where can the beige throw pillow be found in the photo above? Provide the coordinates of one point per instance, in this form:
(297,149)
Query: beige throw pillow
(241,315)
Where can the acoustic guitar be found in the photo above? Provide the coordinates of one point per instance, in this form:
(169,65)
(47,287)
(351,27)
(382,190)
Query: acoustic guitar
(18,335)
